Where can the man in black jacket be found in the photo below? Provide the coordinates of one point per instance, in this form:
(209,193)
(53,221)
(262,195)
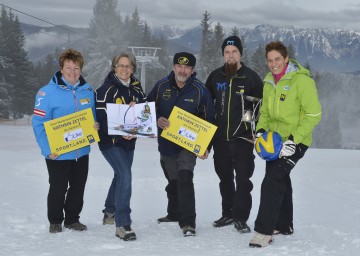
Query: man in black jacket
(236,91)
(180,88)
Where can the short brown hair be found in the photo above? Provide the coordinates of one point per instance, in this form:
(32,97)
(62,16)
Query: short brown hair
(277,46)
(73,55)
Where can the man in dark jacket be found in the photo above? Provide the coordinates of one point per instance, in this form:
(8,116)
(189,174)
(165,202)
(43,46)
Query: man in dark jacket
(236,91)
(180,88)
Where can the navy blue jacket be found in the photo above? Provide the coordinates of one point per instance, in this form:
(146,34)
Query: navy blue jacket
(193,98)
(113,91)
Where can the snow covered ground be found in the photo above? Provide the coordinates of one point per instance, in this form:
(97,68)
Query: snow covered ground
(326,196)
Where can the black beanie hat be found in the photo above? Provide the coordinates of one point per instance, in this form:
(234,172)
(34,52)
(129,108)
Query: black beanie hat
(184,58)
(232,40)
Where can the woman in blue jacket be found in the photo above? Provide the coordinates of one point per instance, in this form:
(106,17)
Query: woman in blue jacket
(66,93)
(120,87)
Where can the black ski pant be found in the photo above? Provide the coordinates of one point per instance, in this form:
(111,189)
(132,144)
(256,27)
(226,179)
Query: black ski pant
(276,203)
(179,171)
(67,179)
(171,189)
(229,156)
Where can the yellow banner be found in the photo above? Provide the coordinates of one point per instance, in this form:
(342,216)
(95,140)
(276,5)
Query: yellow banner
(189,131)
(71,132)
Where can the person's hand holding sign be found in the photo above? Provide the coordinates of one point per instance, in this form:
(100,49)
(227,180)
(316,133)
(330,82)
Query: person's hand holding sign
(163,123)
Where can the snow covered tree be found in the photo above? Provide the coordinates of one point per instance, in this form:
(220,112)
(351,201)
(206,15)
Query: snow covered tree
(106,40)
(235,32)
(258,61)
(291,51)
(246,56)
(203,68)
(5,86)
(17,80)
(216,58)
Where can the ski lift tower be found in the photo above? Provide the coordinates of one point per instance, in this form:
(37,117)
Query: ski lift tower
(145,55)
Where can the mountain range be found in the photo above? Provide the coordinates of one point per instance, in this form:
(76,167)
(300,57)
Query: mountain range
(335,50)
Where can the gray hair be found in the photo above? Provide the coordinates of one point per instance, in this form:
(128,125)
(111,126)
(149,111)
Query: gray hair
(128,55)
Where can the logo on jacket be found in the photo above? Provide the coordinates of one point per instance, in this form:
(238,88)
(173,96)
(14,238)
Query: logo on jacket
(286,87)
(166,95)
(221,86)
(118,101)
(282,97)
(241,90)
(41,93)
(38,104)
(85,101)
(189,100)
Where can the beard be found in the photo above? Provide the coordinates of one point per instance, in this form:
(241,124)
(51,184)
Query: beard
(230,70)
(181,78)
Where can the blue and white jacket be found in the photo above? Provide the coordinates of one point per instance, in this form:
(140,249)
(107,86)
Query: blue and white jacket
(57,99)
(193,98)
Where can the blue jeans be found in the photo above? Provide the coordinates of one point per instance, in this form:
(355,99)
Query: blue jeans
(118,198)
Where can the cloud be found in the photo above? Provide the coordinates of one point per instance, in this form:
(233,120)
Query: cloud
(304,13)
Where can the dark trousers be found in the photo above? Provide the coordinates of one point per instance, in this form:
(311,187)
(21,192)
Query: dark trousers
(276,204)
(171,192)
(180,191)
(237,155)
(67,179)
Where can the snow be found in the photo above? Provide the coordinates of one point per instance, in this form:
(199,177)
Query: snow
(326,206)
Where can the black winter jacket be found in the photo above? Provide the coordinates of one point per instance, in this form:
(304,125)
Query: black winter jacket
(228,100)
(113,91)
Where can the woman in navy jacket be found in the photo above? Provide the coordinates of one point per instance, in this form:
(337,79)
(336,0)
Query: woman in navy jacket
(120,87)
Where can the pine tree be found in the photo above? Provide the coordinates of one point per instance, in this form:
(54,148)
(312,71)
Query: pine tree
(5,86)
(235,32)
(18,72)
(215,52)
(107,39)
(24,91)
(146,37)
(258,61)
(246,56)
(205,52)
(135,33)
(291,51)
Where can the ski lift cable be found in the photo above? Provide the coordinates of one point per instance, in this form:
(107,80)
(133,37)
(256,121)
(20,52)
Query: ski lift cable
(48,22)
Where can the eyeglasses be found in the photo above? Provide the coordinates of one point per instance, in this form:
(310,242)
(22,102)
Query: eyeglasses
(123,66)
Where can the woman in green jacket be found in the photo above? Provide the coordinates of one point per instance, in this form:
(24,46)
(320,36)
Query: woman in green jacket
(291,108)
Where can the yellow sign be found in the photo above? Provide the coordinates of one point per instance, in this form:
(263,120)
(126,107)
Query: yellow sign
(189,131)
(71,132)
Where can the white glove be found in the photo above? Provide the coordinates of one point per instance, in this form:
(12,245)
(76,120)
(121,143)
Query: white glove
(258,134)
(288,148)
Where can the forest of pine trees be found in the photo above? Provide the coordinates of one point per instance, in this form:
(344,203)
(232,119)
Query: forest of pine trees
(109,32)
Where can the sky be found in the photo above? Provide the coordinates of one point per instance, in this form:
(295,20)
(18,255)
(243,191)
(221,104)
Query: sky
(332,14)
(326,206)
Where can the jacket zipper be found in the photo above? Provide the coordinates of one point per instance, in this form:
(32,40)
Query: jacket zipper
(228,112)
(77,109)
